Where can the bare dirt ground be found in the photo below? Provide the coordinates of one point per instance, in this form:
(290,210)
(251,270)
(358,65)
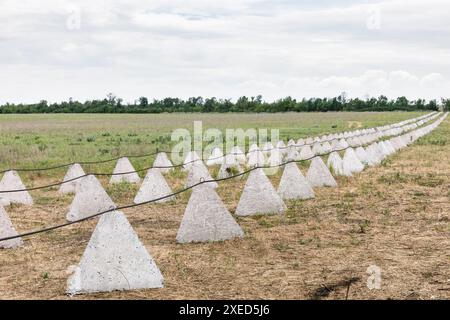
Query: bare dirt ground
(395,216)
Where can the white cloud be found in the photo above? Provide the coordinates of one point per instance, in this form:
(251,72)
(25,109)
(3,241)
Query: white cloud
(224,49)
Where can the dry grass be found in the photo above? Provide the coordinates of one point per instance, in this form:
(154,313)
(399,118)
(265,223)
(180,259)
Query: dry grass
(395,216)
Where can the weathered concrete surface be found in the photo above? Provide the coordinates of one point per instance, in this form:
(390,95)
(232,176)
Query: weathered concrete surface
(90,198)
(74,172)
(124,165)
(207,219)
(259,196)
(7,230)
(334,163)
(191,158)
(318,174)
(153,187)
(162,161)
(198,172)
(293,185)
(114,259)
(351,163)
(306,153)
(12,181)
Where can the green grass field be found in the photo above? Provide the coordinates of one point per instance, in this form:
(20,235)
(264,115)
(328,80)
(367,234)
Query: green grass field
(40,140)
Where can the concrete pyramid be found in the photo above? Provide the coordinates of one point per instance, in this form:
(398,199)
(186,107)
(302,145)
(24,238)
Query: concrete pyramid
(238,154)
(207,219)
(162,161)
(362,155)
(215,158)
(191,158)
(276,158)
(306,153)
(124,165)
(267,148)
(153,187)
(336,145)
(318,174)
(373,154)
(292,154)
(90,198)
(300,142)
(291,143)
(75,171)
(198,173)
(351,163)
(259,196)
(326,147)
(317,149)
(7,230)
(281,145)
(334,162)
(256,158)
(293,184)
(12,181)
(114,259)
(343,143)
(253,147)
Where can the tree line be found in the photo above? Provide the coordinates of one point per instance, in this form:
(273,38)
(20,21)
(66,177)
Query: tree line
(113,104)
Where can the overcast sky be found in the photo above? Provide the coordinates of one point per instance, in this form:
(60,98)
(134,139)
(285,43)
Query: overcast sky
(59,49)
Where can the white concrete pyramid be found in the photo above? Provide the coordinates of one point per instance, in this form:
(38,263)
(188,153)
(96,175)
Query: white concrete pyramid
(238,154)
(163,161)
(259,196)
(306,153)
(300,142)
(207,219)
(215,158)
(114,259)
(318,174)
(317,149)
(267,148)
(153,187)
(4,202)
(281,145)
(191,158)
(362,155)
(373,154)
(343,143)
(334,163)
(12,181)
(351,163)
(292,154)
(75,171)
(293,185)
(124,165)
(198,173)
(276,158)
(326,147)
(336,145)
(7,230)
(309,140)
(253,147)
(256,158)
(90,198)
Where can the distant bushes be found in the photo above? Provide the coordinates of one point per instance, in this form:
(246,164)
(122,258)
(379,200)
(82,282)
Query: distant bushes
(112,104)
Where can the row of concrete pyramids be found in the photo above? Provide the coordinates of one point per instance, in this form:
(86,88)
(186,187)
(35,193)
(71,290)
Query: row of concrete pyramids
(115,259)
